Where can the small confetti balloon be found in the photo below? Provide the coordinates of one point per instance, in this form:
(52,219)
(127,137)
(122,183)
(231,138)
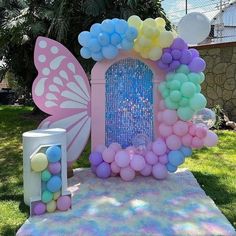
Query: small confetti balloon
(205,116)
(141,142)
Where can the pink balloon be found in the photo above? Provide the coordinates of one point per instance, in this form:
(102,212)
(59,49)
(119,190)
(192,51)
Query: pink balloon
(169,117)
(151,158)
(163,159)
(197,142)
(115,146)
(63,203)
(187,140)
(211,139)
(131,150)
(165,130)
(147,170)
(100,148)
(159,171)
(173,142)
(159,147)
(201,132)
(192,130)
(180,128)
(122,159)
(127,174)
(108,155)
(115,168)
(137,162)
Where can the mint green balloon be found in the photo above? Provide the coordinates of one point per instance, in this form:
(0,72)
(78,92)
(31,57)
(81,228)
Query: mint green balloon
(170,104)
(170,76)
(181,77)
(198,102)
(194,78)
(188,89)
(185,113)
(202,77)
(174,85)
(45,175)
(198,88)
(175,96)
(47,196)
(183,69)
(184,102)
(165,93)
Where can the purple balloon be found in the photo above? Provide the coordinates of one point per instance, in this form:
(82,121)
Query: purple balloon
(179,43)
(176,54)
(95,158)
(166,58)
(194,52)
(186,57)
(39,208)
(63,203)
(162,65)
(174,65)
(54,167)
(197,65)
(103,170)
(166,50)
(93,168)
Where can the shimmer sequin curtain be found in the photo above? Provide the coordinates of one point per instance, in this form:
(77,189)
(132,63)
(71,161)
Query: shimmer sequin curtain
(129,102)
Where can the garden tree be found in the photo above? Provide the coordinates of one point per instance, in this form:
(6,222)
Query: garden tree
(23,20)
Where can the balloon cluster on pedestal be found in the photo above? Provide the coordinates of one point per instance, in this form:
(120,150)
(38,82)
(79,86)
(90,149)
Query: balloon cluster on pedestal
(48,163)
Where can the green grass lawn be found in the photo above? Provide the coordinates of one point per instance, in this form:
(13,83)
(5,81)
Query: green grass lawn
(214,169)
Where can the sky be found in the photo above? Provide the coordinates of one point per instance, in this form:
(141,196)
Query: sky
(175,9)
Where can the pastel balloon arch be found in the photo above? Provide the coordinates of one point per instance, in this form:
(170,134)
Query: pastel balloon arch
(181,125)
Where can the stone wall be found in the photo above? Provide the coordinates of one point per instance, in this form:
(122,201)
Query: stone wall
(219,86)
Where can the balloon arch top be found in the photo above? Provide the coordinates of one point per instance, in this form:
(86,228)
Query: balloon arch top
(146,108)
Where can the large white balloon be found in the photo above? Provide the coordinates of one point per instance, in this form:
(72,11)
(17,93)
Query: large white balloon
(194,27)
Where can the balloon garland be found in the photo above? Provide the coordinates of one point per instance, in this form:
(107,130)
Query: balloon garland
(180,126)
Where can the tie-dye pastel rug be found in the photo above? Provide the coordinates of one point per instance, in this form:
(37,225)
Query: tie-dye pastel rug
(145,206)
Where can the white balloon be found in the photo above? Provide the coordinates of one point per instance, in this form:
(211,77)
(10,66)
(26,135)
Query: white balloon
(205,116)
(194,27)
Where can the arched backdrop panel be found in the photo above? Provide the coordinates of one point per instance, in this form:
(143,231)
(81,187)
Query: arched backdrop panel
(129,102)
(101,102)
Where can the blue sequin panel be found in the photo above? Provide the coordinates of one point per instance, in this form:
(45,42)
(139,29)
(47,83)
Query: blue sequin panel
(129,102)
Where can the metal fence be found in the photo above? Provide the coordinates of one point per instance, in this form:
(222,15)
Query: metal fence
(221,13)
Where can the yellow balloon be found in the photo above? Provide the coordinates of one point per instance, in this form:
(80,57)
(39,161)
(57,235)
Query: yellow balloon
(56,195)
(51,206)
(155,54)
(156,43)
(148,31)
(144,54)
(149,22)
(160,22)
(135,21)
(136,47)
(144,41)
(39,162)
(166,39)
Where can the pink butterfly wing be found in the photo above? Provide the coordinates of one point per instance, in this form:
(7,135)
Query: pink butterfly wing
(62,90)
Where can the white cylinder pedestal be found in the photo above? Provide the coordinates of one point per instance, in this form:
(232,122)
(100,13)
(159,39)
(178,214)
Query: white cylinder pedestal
(33,142)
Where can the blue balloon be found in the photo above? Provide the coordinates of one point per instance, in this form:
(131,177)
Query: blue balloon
(121,26)
(53,153)
(104,39)
(94,45)
(127,45)
(54,184)
(97,56)
(85,53)
(116,39)
(186,151)
(171,168)
(84,38)
(95,29)
(175,158)
(131,33)
(108,26)
(109,52)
